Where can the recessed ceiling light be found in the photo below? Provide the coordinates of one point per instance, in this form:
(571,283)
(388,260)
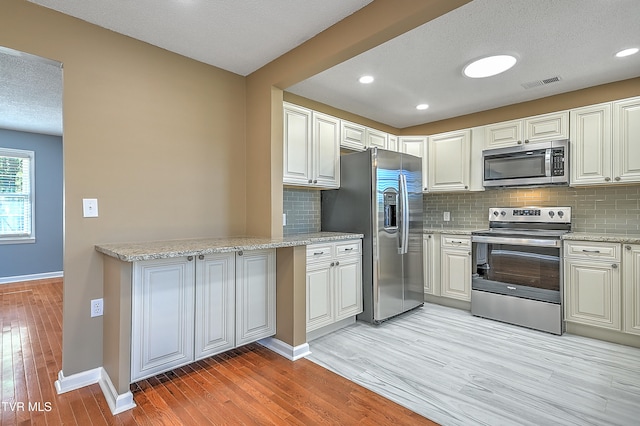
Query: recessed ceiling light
(422,106)
(366,79)
(491,65)
(627,52)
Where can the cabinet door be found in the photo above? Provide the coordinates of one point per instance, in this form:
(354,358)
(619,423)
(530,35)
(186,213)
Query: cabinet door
(427,252)
(416,145)
(255,295)
(592,293)
(392,143)
(631,280)
(456,274)
(297,146)
(546,127)
(319,295)
(215,304)
(348,287)
(449,161)
(376,138)
(591,145)
(326,151)
(626,141)
(162,316)
(352,136)
(500,135)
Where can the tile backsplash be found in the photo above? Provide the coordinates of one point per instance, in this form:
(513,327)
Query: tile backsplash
(302,207)
(612,209)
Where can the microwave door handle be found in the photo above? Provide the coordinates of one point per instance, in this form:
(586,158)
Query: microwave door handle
(547,162)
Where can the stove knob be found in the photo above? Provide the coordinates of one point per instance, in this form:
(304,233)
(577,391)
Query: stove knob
(551,213)
(503,213)
(560,213)
(495,213)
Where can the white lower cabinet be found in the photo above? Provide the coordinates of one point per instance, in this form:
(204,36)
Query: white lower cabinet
(592,284)
(185,309)
(429,264)
(455,267)
(334,282)
(631,280)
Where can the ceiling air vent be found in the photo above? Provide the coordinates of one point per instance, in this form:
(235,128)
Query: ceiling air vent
(537,83)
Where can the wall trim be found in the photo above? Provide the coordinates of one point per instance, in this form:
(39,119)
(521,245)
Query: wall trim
(117,402)
(285,349)
(31,277)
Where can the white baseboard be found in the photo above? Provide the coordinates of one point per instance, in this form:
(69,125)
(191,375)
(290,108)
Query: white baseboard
(32,277)
(285,349)
(117,402)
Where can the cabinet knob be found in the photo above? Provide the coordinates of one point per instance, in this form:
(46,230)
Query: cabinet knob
(617,179)
(201,257)
(526,141)
(627,247)
(614,266)
(189,258)
(333,264)
(425,188)
(310,181)
(240,253)
(315,181)
(337,263)
(607,179)
(466,187)
(519,142)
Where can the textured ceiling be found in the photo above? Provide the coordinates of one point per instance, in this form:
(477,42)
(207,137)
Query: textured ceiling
(573,39)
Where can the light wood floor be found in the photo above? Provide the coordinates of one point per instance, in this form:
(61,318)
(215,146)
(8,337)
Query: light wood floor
(457,369)
(251,385)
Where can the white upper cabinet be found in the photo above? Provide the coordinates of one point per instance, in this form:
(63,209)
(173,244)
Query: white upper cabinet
(605,143)
(416,145)
(352,136)
(529,130)
(449,161)
(311,148)
(392,143)
(376,138)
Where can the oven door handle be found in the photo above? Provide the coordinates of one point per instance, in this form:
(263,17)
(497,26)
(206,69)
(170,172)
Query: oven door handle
(516,241)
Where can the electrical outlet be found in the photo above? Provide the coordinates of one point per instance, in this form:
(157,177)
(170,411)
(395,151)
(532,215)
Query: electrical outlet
(96,308)
(447,216)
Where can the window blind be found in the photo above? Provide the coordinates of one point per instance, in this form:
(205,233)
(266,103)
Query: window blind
(16,193)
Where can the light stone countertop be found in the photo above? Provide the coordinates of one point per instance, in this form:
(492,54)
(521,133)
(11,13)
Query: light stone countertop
(609,238)
(133,252)
(452,231)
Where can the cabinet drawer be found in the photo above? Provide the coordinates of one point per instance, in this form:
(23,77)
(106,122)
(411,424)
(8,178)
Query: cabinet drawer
(319,252)
(591,250)
(348,248)
(455,241)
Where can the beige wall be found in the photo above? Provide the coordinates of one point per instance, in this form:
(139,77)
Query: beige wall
(157,138)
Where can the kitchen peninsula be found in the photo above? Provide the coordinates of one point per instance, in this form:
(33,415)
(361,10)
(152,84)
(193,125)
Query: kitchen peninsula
(169,303)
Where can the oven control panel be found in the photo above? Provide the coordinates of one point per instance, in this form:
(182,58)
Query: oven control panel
(530,214)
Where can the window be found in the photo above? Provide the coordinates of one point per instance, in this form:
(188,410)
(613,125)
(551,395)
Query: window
(16,196)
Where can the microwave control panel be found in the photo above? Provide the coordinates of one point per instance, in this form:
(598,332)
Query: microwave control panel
(557,162)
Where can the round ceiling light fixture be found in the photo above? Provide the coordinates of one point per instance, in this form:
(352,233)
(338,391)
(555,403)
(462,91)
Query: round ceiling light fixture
(422,107)
(489,66)
(627,52)
(366,79)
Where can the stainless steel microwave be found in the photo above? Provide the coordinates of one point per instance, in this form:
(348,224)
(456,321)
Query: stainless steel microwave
(541,163)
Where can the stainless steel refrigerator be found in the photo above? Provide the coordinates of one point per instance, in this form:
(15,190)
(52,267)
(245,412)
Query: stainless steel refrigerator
(380,196)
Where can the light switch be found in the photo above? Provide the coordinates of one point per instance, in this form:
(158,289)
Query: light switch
(90,207)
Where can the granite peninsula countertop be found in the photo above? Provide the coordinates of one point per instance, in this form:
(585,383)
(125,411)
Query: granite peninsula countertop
(608,238)
(133,252)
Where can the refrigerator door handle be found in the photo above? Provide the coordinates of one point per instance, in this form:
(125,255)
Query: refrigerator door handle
(404,212)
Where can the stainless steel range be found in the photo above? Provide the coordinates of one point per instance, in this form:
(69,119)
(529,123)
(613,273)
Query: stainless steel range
(517,269)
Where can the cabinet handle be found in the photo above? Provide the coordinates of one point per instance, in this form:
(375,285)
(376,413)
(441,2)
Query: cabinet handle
(318,253)
(201,257)
(348,249)
(189,258)
(627,247)
(614,266)
(607,179)
(240,253)
(591,251)
(456,242)
(617,179)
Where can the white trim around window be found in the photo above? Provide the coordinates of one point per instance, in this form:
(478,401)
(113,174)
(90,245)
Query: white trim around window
(17,196)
